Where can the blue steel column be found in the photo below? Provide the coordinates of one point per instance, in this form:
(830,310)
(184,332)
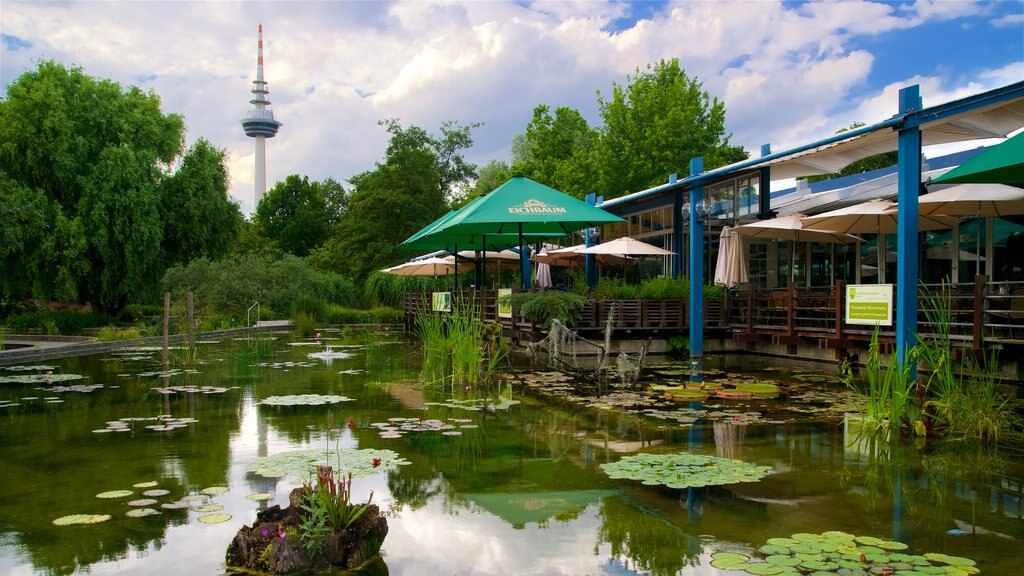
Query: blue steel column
(524,259)
(677,228)
(590,259)
(765,188)
(696,269)
(909,179)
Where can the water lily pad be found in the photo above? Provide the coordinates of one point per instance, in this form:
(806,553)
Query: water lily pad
(208,508)
(142,502)
(214,490)
(783,560)
(259,496)
(177,505)
(303,463)
(764,569)
(951,560)
(115,494)
(156,493)
(684,470)
(215,518)
(81,519)
(728,560)
(305,400)
(141,512)
(771,549)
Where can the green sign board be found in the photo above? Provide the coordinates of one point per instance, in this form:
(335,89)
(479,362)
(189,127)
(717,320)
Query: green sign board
(869,304)
(504,309)
(442,301)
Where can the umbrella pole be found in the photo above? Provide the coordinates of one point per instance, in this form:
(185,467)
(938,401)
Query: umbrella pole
(524,260)
(456,256)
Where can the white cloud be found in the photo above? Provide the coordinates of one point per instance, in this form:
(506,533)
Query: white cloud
(787,73)
(1009,20)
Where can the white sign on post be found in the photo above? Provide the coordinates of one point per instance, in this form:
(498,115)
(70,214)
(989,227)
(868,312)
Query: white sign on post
(869,304)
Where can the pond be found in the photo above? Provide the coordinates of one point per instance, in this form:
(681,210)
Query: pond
(510,484)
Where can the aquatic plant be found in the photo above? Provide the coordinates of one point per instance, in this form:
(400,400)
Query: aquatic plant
(891,400)
(684,470)
(965,401)
(835,552)
(73,519)
(547,305)
(328,505)
(303,463)
(304,400)
(113,334)
(458,348)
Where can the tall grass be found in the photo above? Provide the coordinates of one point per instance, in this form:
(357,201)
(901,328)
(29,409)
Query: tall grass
(459,350)
(965,401)
(890,395)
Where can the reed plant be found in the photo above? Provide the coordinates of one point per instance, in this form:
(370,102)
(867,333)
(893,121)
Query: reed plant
(890,399)
(459,349)
(965,400)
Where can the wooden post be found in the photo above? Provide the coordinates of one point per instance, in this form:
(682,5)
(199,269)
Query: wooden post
(977,331)
(191,316)
(167,325)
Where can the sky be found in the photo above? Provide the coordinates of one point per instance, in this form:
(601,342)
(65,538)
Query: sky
(788,72)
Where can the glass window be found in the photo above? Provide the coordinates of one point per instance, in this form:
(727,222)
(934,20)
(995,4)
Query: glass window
(749,196)
(721,198)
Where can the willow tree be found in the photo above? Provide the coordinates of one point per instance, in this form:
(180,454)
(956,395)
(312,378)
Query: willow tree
(90,164)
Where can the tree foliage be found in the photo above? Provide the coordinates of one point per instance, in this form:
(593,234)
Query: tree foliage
(85,183)
(557,150)
(415,185)
(883,160)
(296,215)
(654,125)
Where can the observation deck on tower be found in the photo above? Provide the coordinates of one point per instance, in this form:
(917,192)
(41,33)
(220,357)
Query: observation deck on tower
(260,120)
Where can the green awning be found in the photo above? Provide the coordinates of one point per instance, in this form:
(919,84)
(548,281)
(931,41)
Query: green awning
(999,164)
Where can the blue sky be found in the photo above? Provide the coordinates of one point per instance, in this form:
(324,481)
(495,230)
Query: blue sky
(788,72)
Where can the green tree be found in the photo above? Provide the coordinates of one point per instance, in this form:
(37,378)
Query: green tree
(493,174)
(654,125)
(294,215)
(87,162)
(883,160)
(200,219)
(413,186)
(557,150)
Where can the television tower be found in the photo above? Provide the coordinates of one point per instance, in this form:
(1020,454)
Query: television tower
(259,123)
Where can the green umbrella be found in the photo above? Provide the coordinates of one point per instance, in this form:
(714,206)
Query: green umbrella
(520,208)
(999,164)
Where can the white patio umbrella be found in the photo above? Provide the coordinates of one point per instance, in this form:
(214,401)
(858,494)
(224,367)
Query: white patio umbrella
(627,246)
(872,217)
(975,200)
(731,267)
(432,266)
(573,256)
(791,228)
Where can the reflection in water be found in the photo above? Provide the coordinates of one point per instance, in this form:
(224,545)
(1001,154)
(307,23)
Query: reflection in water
(520,490)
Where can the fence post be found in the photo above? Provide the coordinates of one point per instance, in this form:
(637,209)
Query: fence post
(167,326)
(977,331)
(191,316)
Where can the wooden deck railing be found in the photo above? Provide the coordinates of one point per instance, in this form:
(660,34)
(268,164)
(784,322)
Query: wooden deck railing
(979,313)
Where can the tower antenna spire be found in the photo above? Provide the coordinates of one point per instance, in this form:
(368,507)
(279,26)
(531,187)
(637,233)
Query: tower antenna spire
(259,122)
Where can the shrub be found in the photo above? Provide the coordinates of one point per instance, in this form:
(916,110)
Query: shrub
(664,289)
(386,315)
(542,307)
(310,305)
(609,288)
(134,312)
(113,333)
(65,322)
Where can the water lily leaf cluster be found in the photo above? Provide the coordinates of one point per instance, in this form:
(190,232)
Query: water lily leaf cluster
(143,507)
(303,463)
(39,378)
(476,404)
(305,400)
(163,423)
(193,389)
(398,426)
(684,470)
(840,553)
